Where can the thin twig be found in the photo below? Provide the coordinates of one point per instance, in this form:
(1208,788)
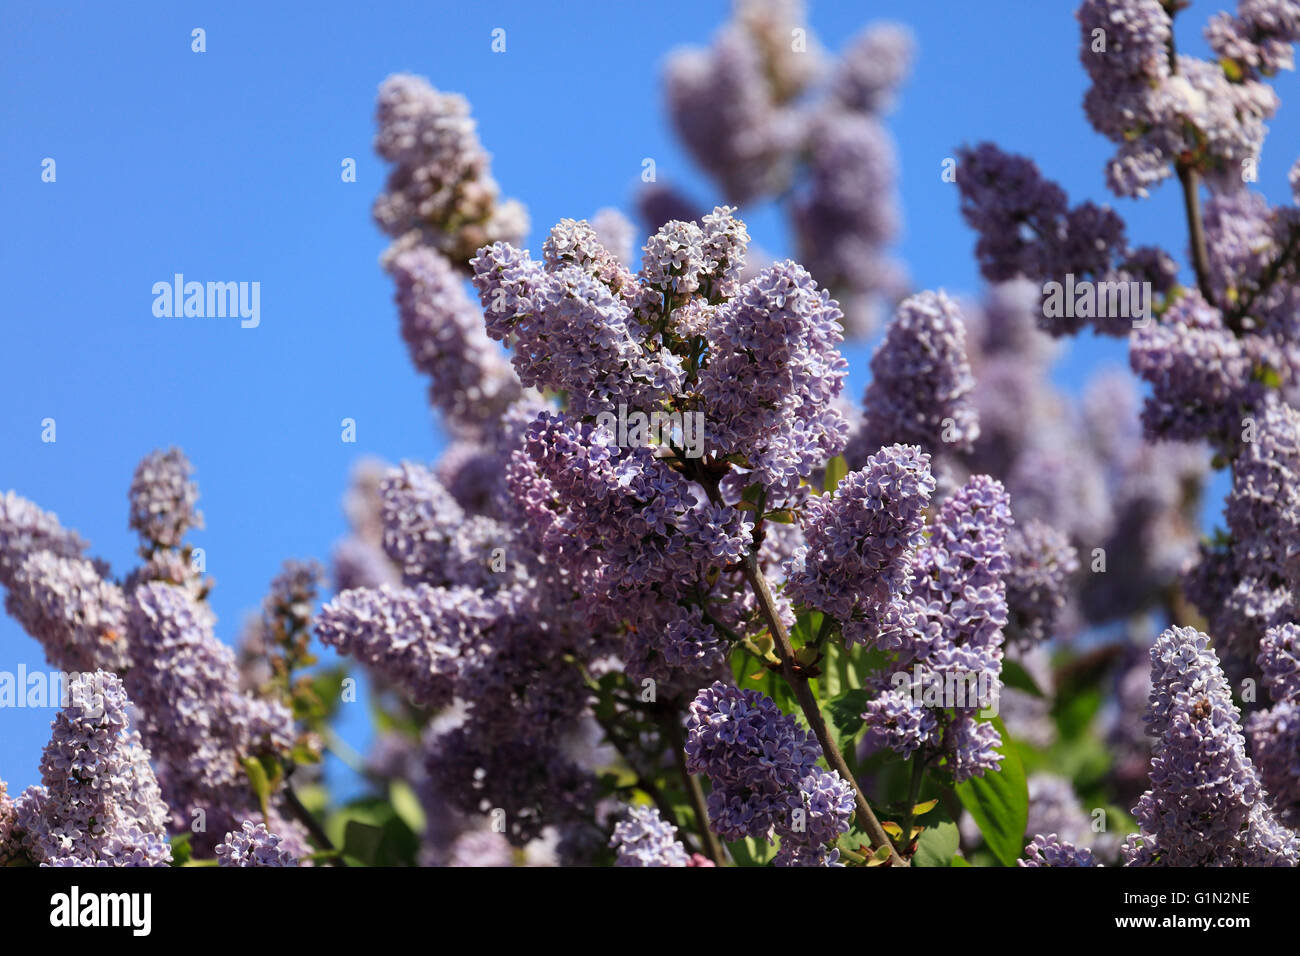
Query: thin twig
(808,703)
(305,817)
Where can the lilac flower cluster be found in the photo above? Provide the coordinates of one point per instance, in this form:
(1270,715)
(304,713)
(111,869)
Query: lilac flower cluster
(861,542)
(472,385)
(1206,806)
(959,605)
(1275,733)
(99,804)
(1042,562)
(773,376)
(253,846)
(921,380)
(1051,851)
(764,773)
(746,111)
(1027,228)
(1245,583)
(1164,109)
(56,594)
(440,192)
(643,838)
(197,724)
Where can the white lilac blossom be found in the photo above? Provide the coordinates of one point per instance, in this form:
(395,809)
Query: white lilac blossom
(98,802)
(1259,38)
(861,543)
(921,380)
(440,192)
(253,846)
(644,838)
(1206,806)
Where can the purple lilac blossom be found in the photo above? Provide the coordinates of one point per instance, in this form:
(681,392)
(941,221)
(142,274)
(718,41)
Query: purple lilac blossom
(472,384)
(643,838)
(1051,851)
(1205,806)
(440,191)
(196,722)
(253,846)
(773,376)
(861,540)
(98,802)
(921,380)
(764,772)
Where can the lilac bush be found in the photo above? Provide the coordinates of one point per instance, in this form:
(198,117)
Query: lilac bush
(671,597)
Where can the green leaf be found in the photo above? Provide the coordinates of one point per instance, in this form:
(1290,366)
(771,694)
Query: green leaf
(181,849)
(259,781)
(937,845)
(1015,675)
(959,861)
(999,802)
(836,469)
(361,841)
(406,805)
(751,852)
(845,713)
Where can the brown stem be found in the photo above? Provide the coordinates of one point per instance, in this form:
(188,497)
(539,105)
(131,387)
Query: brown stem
(304,816)
(1196,229)
(808,703)
(712,846)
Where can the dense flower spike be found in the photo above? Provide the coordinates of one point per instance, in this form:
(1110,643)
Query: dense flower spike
(197,724)
(25,530)
(99,803)
(1275,733)
(764,773)
(417,639)
(253,846)
(1202,376)
(572,333)
(1205,806)
(921,380)
(163,500)
(472,384)
(959,602)
(1027,228)
(440,192)
(1160,108)
(1042,562)
(856,565)
(773,376)
(78,618)
(643,838)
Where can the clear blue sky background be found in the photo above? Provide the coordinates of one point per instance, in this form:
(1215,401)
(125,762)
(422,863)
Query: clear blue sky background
(225,166)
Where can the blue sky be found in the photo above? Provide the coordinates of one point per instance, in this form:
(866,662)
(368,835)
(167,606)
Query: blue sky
(225,166)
